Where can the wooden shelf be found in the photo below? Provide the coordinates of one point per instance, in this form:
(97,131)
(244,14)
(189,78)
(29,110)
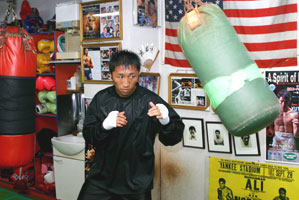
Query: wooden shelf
(46,115)
(65,61)
(45,74)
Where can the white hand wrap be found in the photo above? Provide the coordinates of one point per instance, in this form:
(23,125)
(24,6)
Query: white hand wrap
(110,121)
(164,111)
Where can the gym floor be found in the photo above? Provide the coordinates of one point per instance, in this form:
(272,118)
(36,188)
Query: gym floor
(9,193)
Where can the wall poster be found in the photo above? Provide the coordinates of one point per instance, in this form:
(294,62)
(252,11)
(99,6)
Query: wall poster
(101,20)
(95,58)
(243,180)
(282,135)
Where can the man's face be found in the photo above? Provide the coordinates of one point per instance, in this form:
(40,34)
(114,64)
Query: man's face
(125,80)
(221,184)
(283,103)
(245,139)
(282,194)
(105,30)
(217,133)
(192,131)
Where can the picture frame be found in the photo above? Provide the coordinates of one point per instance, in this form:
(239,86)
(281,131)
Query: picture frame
(101,20)
(147,12)
(186,91)
(218,138)
(94,61)
(247,145)
(193,133)
(150,81)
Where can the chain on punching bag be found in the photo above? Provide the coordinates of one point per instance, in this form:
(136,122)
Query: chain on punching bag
(17,99)
(235,86)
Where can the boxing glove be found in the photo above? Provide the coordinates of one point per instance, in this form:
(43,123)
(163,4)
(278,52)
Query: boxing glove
(42,96)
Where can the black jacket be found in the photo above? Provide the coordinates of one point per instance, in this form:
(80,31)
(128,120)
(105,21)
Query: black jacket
(124,158)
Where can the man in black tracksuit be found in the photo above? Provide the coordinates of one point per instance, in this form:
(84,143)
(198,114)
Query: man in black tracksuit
(122,122)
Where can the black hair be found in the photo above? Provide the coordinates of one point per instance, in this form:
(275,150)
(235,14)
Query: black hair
(192,127)
(282,190)
(124,58)
(151,2)
(285,94)
(222,180)
(217,131)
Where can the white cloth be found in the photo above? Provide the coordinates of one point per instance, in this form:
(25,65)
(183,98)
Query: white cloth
(164,111)
(284,140)
(110,121)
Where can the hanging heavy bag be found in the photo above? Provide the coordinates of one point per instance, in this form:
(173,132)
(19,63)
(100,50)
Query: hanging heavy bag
(236,88)
(17,99)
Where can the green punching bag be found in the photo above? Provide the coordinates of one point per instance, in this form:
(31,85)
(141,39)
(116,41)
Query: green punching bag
(233,82)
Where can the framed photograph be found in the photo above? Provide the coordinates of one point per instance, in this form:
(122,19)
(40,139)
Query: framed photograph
(94,61)
(101,20)
(147,12)
(247,145)
(186,91)
(193,133)
(219,139)
(150,81)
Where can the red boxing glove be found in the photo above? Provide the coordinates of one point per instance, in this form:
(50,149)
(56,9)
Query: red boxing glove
(25,10)
(45,83)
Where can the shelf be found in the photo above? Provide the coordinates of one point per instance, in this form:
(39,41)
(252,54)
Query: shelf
(74,91)
(44,33)
(45,74)
(31,190)
(43,154)
(46,115)
(49,155)
(65,62)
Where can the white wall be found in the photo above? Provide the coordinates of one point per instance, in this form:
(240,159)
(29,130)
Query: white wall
(184,171)
(46,8)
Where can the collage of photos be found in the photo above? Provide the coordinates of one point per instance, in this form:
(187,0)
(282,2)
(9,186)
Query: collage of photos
(187,91)
(101,20)
(109,26)
(95,62)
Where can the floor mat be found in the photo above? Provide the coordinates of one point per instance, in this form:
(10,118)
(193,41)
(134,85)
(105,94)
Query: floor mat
(9,195)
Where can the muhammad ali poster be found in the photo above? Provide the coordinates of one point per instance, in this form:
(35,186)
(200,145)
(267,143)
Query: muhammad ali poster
(242,180)
(282,135)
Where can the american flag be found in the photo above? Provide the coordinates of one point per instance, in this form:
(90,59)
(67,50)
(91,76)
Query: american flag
(268,29)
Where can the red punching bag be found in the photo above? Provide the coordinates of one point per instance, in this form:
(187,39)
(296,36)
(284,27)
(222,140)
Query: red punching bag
(17,95)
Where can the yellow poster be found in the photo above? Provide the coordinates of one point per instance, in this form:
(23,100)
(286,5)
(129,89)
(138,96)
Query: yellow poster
(243,180)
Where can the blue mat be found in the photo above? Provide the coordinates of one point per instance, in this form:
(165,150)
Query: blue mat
(9,195)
